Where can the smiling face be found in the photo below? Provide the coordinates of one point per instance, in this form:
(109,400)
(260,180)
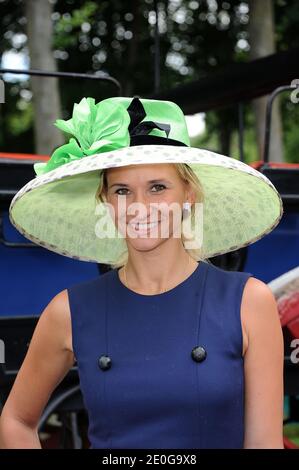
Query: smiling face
(147,200)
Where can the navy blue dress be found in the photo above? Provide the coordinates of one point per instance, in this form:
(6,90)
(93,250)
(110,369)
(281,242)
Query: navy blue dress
(171,372)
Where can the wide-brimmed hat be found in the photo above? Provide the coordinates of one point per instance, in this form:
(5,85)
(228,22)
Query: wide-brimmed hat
(58,208)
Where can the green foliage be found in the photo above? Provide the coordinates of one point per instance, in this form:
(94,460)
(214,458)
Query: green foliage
(209,139)
(68,26)
(20,120)
(290,113)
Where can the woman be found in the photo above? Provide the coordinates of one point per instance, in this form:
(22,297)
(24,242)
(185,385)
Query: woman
(172,351)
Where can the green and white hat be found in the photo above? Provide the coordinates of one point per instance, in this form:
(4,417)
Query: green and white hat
(58,209)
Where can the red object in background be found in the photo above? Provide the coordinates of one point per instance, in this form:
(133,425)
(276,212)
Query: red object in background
(23,156)
(288,308)
(289,444)
(259,163)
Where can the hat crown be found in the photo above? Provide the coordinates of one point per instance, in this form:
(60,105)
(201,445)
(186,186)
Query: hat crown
(115,123)
(159,111)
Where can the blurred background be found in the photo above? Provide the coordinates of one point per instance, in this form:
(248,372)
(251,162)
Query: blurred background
(199,40)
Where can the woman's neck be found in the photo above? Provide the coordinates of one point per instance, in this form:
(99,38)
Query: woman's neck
(155,273)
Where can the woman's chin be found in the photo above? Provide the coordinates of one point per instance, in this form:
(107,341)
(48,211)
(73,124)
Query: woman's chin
(145,244)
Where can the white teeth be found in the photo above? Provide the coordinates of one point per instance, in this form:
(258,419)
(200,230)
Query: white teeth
(144,226)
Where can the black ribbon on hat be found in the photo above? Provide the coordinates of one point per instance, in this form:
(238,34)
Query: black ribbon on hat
(139,131)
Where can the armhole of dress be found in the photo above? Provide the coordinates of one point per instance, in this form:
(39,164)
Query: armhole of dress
(244,279)
(72,318)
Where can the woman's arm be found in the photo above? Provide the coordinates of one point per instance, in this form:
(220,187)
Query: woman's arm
(48,359)
(263,367)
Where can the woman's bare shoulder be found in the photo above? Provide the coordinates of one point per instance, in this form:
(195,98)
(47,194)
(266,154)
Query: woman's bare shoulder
(258,309)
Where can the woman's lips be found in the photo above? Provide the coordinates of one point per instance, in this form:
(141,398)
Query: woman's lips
(143,227)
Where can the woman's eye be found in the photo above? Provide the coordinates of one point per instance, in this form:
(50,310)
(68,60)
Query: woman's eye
(121,189)
(159,186)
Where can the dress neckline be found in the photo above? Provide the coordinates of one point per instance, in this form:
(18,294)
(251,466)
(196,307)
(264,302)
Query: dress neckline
(197,271)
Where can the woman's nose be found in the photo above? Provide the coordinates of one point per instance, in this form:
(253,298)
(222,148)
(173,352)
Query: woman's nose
(141,202)
(141,197)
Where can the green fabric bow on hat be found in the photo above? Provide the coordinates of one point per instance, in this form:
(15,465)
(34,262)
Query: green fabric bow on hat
(96,128)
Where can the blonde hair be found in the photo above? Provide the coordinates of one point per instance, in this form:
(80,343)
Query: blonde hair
(189,177)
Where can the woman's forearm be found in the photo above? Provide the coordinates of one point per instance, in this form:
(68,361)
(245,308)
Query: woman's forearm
(16,435)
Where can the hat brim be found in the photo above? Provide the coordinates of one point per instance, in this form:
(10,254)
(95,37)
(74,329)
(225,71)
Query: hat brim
(58,209)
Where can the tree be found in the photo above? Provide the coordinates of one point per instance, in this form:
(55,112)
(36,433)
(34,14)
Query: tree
(46,100)
(262,43)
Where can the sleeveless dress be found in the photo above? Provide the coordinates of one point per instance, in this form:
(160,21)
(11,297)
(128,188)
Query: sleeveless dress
(165,370)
